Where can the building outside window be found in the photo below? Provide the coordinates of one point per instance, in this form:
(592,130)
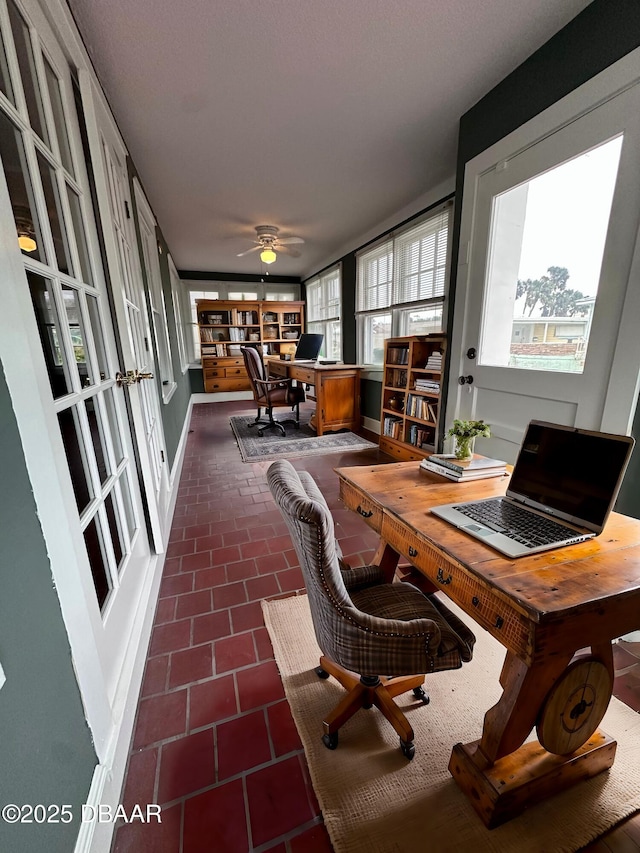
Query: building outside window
(401,284)
(324,303)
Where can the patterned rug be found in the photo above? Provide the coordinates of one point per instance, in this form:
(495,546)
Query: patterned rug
(374,801)
(297,442)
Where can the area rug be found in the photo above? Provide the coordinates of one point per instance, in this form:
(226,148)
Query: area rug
(297,442)
(375,801)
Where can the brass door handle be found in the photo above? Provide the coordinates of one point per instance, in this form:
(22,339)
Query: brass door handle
(131,377)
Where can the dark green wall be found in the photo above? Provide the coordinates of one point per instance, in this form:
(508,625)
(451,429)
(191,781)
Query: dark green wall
(46,752)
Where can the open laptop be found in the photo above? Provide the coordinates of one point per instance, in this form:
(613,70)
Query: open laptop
(563,487)
(309,347)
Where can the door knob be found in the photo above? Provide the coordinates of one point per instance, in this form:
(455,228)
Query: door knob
(465,380)
(131,377)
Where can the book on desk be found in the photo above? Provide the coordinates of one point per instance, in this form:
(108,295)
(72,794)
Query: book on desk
(461,470)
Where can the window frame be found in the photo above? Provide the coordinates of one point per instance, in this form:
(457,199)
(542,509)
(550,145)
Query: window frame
(324,313)
(372,277)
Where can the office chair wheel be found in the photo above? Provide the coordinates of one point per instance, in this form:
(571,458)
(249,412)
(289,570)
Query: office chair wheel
(408,749)
(330,741)
(321,673)
(420,693)
(260,432)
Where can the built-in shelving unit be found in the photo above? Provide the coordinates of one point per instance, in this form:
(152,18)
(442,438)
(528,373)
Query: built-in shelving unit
(224,327)
(411,394)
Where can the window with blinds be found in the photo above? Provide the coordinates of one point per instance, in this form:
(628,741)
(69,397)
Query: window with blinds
(324,303)
(401,285)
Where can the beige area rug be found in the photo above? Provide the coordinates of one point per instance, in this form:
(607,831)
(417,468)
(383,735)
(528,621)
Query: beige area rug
(375,801)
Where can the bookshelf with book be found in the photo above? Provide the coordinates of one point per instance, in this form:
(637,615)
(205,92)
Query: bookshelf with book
(225,326)
(411,393)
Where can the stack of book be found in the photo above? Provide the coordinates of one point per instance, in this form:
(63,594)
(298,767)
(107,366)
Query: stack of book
(434,362)
(427,385)
(462,470)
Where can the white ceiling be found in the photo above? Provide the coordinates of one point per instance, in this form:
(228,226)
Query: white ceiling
(322,117)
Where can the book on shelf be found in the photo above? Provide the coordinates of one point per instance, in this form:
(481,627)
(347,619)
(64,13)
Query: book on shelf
(461,478)
(420,407)
(434,362)
(392,427)
(398,355)
(467,466)
(426,385)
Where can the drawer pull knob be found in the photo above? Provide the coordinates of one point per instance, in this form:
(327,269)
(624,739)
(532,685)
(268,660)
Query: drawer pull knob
(441,578)
(499,622)
(475,601)
(412,551)
(363,513)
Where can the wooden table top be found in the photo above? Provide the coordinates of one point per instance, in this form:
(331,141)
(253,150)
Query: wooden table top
(596,576)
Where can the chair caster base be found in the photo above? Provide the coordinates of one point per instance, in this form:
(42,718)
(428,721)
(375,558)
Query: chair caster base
(320,672)
(408,748)
(330,741)
(420,693)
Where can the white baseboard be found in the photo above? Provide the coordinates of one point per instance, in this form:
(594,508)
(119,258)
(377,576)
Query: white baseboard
(371,425)
(221,397)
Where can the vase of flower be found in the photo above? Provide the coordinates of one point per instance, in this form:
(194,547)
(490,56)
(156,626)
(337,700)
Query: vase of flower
(463,446)
(464,434)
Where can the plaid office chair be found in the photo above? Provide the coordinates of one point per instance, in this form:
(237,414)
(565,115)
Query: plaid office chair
(271,393)
(389,634)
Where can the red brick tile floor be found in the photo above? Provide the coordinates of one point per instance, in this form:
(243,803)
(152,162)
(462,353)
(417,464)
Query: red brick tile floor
(214,740)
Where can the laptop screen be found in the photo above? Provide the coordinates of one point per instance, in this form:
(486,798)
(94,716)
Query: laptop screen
(309,346)
(574,473)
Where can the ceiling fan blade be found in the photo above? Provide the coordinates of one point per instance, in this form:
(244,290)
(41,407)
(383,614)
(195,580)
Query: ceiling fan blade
(284,240)
(294,253)
(248,252)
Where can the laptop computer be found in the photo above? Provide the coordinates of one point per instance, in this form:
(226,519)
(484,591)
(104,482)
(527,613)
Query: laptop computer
(309,347)
(563,487)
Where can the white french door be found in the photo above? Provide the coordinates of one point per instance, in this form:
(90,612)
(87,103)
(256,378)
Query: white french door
(130,308)
(548,273)
(58,349)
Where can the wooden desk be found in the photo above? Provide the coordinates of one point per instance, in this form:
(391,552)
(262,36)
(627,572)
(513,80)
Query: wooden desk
(542,608)
(336,394)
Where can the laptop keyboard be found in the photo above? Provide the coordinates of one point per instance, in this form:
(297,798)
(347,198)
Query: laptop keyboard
(524,527)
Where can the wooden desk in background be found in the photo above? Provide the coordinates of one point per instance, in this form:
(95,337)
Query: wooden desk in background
(336,390)
(542,608)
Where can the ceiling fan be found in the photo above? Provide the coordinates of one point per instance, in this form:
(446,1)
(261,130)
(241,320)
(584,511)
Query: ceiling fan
(269,243)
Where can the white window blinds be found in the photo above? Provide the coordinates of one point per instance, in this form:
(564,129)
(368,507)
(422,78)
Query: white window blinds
(323,296)
(420,257)
(375,277)
(409,267)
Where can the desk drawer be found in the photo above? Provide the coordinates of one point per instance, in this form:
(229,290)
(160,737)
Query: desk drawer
(483,604)
(365,507)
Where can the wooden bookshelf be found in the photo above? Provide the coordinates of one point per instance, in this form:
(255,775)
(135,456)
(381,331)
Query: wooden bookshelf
(225,326)
(411,394)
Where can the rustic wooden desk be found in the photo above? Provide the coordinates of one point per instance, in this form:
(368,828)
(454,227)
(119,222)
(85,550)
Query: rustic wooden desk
(336,391)
(544,609)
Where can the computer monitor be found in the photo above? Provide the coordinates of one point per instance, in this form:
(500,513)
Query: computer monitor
(309,347)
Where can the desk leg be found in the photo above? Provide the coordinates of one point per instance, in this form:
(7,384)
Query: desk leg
(387,559)
(500,776)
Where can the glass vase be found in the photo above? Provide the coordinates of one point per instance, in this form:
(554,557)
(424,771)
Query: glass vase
(463,446)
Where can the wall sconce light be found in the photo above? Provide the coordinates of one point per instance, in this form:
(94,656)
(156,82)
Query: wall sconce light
(267,255)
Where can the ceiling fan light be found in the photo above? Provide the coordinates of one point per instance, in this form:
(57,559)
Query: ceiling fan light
(27,243)
(267,256)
